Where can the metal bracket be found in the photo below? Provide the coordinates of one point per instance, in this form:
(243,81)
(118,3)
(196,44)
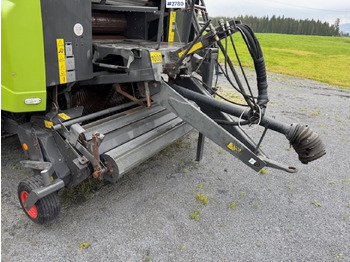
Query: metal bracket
(74,132)
(277,165)
(41,192)
(173,101)
(45,167)
(200,147)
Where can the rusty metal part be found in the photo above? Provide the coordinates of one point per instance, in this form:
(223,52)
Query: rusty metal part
(97,173)
(148,94)
(122,92)
(96,153)
(109,167)
(95,99)
(105,23)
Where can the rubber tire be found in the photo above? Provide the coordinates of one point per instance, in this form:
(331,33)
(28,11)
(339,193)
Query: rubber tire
(47,208)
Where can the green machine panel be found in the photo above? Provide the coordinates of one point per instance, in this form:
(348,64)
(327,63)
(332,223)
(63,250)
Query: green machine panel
(23,84)
(43,43)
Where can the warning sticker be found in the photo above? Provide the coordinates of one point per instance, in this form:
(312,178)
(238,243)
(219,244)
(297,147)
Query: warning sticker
(194,48)
(156,57)
(61,61)
(48,124)
(233,147)
(171,26)
(64,116)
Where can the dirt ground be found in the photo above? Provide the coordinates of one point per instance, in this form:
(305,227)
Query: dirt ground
(153,213)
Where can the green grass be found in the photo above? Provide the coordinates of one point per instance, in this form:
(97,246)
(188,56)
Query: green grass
(195,215)
(84,245)
(203,198)
(321,58)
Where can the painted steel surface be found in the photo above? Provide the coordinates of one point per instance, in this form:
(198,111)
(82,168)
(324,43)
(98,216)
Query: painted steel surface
(23,87)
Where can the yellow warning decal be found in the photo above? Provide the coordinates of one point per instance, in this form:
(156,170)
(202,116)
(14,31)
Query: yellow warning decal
(61,61)
(195,47)
(64,116)
(48,124)
(156,57)
(171,26)
(232,147)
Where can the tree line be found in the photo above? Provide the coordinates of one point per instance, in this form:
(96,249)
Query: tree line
(283,25)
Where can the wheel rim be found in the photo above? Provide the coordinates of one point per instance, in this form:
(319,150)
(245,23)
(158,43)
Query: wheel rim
(33,212)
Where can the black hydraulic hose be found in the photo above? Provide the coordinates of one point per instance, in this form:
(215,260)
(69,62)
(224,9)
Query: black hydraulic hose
(241,67)
(259,63)
(231,123)
(232,110)
(261,78)
(242,91)
(232,84)
(212,91)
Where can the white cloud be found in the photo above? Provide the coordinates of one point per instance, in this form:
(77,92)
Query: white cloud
(326,11)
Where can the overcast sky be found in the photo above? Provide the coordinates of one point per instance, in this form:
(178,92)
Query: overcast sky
(326,11)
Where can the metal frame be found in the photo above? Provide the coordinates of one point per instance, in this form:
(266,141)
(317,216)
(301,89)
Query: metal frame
(69,151)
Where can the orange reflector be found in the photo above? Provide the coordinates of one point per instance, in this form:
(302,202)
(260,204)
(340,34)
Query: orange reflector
(25,146)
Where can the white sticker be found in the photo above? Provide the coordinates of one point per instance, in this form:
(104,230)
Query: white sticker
(175,3)
(252,161)
(32,101)
(78,29)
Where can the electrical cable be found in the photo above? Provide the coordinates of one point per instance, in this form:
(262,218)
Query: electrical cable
(240,65)
(237,89)
(257,104)
(251,121)
(212,91)
(249,100)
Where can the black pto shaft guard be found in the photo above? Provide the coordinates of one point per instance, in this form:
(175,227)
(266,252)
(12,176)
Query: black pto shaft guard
(306,143)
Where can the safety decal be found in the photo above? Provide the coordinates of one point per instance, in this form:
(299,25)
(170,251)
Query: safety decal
(61,61)
(48,124)
(252,161)
(233,147)
(78,29)
(156,57)
(64,116)
(172,27)
(194,48)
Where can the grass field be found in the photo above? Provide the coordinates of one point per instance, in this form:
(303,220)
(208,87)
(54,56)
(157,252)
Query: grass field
(321,58)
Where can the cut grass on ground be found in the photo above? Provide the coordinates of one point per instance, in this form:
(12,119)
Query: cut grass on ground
(321,58)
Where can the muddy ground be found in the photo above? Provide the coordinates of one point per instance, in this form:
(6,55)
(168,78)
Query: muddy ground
(146,215)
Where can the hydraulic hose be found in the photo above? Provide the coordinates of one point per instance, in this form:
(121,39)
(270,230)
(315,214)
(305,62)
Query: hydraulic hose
(259,63)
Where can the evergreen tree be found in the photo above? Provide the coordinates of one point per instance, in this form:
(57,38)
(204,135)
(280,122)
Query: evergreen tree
(285,25)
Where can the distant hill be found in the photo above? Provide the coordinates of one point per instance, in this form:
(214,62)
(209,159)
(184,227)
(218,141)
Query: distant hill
(345,28)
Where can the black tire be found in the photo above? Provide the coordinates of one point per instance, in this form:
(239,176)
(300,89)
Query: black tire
(44,209)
